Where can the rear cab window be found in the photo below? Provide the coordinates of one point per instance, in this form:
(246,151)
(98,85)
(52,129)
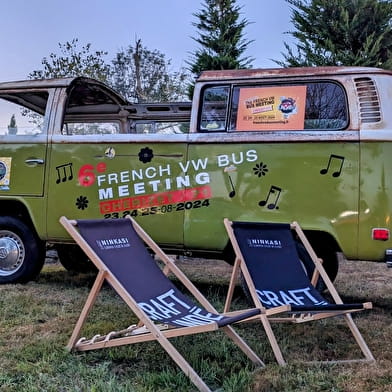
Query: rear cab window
(90,128)
(161,127)
(291,107)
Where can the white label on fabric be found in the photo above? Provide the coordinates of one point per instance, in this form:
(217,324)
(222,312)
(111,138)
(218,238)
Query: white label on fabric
(289,297)
(167,305)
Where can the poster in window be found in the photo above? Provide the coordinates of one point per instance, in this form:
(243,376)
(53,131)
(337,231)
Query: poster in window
(271,108)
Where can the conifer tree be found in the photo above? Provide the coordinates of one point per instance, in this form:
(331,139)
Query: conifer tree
(341,32)
(220,36)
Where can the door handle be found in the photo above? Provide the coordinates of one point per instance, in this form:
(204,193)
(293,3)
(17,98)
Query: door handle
(34,161)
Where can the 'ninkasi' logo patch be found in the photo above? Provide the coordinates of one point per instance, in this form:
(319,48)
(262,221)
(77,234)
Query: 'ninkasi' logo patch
(113,243)
(263,243)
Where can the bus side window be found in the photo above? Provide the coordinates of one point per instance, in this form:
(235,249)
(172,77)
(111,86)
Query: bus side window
(162,127)
(326,106)
(90,128)
(323,108)
(214,108)
(144,127)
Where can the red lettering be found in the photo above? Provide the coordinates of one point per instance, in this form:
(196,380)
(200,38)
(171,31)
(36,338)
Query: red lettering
(105,207)
(153,200)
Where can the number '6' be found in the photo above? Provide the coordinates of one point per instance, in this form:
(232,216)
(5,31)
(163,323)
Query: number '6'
(86,176)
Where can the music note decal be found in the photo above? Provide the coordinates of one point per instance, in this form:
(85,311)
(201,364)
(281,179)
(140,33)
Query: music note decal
(273,194)
(336,162)
(232,192)
(64,173)
(228,170)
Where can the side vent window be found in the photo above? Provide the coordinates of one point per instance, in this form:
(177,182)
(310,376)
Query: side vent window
(369,103)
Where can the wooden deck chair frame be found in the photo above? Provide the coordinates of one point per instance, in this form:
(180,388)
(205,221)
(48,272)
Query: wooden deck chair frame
(268,316)
(145,330)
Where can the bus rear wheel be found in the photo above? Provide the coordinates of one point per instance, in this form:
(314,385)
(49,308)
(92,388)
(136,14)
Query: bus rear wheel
(73,259)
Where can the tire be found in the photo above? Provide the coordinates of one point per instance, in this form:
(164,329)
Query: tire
(245,290)
(228,254)
(73,259)
(330,263)
(22,253)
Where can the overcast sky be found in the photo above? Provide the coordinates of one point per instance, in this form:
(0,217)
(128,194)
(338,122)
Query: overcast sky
(32,29)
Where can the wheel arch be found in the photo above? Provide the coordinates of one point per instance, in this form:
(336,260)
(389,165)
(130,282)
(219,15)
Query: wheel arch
(16,209)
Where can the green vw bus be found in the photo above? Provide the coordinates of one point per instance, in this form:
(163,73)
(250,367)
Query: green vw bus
(304,144)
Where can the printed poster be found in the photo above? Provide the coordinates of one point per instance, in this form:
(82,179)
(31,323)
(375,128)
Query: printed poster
(5,172)
(270,108)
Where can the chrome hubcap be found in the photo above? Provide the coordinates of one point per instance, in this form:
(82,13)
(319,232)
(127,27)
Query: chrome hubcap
(12,253)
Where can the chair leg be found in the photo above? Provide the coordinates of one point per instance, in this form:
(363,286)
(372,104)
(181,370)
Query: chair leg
(272,339)
(233,280)
(182,363)
(86,309)
(242,345)
(358,337)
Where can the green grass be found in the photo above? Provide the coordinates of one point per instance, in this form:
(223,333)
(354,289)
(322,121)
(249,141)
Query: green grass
(36,321)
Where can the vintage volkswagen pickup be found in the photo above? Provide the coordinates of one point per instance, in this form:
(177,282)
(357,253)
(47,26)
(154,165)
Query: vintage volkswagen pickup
(307,144)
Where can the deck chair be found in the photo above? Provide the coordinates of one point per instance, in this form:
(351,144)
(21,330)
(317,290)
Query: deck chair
(118,248)
(267,256)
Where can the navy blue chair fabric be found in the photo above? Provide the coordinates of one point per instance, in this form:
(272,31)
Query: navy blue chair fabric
(124,253)
(270,253)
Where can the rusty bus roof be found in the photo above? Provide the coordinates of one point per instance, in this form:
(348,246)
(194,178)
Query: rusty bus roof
(286,72)
(46,83)
(38,83)
(83,92)
(67,82)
